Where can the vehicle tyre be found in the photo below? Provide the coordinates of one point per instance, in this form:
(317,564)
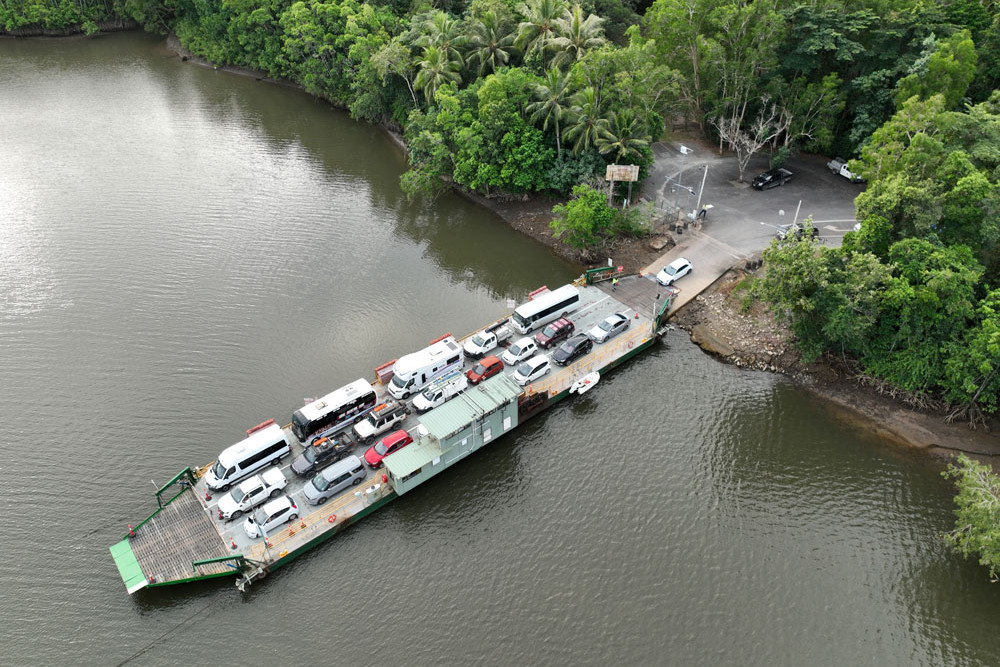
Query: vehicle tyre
(236,515)
(293,518)
(357,481)
(275,493)
(320,501)
(369,440)
(223,489)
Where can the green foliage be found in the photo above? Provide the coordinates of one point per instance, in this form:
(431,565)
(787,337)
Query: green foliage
(585,220)
(946,69)
(977,513)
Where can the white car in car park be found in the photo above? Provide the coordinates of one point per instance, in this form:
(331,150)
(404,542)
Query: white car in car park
(269,517)
(673,271)
(519,351)
(532,369)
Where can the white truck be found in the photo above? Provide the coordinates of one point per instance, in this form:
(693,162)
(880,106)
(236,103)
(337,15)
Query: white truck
(838,165)
(487,340)
(440,391)
(251,493)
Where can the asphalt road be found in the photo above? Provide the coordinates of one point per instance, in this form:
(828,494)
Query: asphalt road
(742,221)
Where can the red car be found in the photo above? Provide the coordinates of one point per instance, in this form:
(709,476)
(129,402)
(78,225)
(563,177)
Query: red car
(387,445)
(486,368)
(554,333)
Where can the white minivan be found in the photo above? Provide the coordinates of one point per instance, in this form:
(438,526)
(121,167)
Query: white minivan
(261,449)
(440,391)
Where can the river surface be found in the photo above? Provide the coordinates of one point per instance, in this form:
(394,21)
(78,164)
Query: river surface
(186,252)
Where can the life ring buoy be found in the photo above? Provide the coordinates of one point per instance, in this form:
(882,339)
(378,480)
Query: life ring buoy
(331,518)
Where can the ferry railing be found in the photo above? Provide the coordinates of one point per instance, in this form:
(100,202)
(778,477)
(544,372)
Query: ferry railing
(335,512)
(602,355)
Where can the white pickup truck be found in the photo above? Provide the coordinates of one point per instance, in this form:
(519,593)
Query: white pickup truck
(251,493)
(838,165)
(487,340)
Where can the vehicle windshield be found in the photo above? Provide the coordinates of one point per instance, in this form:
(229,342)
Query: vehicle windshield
(237,495)
(607,324)
(319,481)
(380,448)
(398,382)
(478,340)
(549,331)
(567,347)
(479,369)
(523,322)
(671,270)
(524,370)
(218,470)
(515,349)
(310,454)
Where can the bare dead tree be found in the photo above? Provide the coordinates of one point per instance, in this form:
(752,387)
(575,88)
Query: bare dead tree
(768,124)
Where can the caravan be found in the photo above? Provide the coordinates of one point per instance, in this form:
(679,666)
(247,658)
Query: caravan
(412,372)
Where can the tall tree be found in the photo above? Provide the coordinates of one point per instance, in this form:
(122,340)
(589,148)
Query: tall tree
(489,45)
(551,95)
(622,136)
(538,28)
(576,35)
(585,120)
(436,68)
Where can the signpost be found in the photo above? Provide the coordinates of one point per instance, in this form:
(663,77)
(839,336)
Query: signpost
(621,172)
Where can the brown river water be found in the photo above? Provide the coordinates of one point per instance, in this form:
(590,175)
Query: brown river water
(185,253)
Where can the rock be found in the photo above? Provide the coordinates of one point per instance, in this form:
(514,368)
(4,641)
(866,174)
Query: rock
(659,243)
(709,342)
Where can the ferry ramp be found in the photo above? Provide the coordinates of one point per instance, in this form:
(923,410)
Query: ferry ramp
(167,544)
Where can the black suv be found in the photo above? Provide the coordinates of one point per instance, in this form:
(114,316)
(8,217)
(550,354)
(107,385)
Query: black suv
(318,454)
(572,349)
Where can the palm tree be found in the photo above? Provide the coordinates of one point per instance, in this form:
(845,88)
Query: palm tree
(489,45)
(585,115)
(576,35)
(538,28)
(445,33)
(436,69)
(623,135)
(551,95)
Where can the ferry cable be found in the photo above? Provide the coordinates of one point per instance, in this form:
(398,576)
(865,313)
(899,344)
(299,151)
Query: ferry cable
(165,634)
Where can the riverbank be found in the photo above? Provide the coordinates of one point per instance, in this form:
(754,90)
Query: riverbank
(752,339)
(716,322)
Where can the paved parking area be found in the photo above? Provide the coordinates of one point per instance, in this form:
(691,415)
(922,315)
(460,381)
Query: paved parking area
(742,221)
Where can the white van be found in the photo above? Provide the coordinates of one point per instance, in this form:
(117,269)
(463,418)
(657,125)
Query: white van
(440,391)
(412,372)
(261,449)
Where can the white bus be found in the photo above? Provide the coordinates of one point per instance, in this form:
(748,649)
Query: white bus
(338,408)
(546,307)
(412,372)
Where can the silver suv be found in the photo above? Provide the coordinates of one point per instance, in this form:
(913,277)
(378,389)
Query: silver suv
(381,419)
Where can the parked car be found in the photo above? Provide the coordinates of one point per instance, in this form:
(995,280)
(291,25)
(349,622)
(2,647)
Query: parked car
(839,166)
(387,445)
(319,453)
(771,179)
(273,514)
(532,369)
(554,333)
(381,419)
(247,495)
(795,231)
(572,349)
(673,271)
(485,369)
(609,327)
(519,351)
(333,479)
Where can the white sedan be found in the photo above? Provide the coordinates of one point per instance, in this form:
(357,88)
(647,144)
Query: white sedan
(519,351)
(673,271)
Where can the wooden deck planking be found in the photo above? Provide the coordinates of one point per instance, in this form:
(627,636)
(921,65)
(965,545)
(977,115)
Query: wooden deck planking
(181,533)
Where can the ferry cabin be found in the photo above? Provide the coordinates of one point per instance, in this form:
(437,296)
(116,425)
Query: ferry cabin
(474,418)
